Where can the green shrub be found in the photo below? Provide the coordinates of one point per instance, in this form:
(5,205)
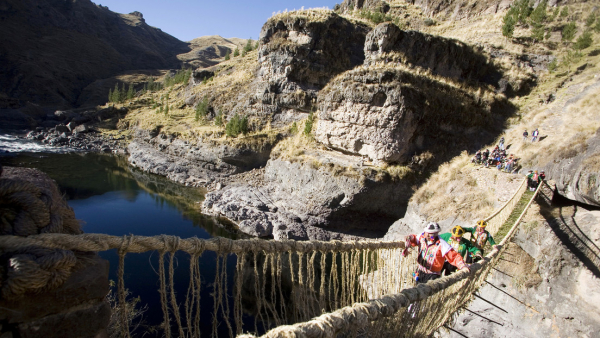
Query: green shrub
(597,26)
(309,124)
(591,19)
(219,118)
(583,41)
(508,28)
(553,65)
(130,92)
(202,108)
(237,125)
(538,15)
(236,52)
(294,128)
(227,57)
(568,31)
(181,76)
(564,12)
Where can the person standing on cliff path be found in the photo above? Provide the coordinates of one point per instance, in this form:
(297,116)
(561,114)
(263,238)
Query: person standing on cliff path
(534,135)
(525,135)
(433,252)
(480,236)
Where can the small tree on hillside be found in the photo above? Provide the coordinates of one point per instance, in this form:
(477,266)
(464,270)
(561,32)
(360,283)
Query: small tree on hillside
(564,12)
(227,57)
(236,52)
(202,108)
(568,32)
(591,19)
(130,92)
(248,47)
(508,28)
(583,41)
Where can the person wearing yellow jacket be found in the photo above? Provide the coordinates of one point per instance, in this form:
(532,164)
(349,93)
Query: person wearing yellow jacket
(464,248)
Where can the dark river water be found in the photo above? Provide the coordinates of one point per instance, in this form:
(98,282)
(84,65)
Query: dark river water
(112,198)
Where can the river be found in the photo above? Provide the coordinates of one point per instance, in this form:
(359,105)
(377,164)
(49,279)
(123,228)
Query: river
(110,197)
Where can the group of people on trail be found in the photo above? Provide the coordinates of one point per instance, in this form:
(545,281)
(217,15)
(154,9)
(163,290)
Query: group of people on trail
(497,158)
(447,252)
(534,135)
(534,179)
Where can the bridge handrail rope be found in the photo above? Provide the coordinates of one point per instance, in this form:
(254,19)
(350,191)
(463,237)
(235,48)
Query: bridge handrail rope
(363,314)
(322,276)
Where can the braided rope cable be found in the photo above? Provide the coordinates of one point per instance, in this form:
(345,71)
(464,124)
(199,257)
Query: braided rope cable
(360,314)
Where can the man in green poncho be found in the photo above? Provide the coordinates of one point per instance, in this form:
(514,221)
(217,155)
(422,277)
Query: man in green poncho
(464,248)
(480,236)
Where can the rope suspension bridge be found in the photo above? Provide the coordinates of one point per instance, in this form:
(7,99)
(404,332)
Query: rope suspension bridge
(290,288)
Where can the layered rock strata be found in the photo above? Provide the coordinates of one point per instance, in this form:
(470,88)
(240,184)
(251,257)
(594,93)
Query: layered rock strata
(193,164)
(388,114)
(300,52)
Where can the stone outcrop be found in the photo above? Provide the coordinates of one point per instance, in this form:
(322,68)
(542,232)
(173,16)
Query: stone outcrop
(388,114)
(199,164)
(577,175)
(464,9)
(441,56)
(300,201)
(347,6)
(300,52)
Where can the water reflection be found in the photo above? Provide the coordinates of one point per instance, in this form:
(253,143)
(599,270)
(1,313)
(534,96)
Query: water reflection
(82,176)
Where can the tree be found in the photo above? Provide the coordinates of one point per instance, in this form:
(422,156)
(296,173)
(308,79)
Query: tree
(568,32)
(202,108)
(116,95)
(227,57)
(237,125)
(537,32)
(130,92)
(564,12)
(109,94)
(508,29)
(256,45)
(219,118)
(583,41)
(524,10)
(591,19)
(309,124)
(236,52)
(597,26)
(538,15)
(248,47)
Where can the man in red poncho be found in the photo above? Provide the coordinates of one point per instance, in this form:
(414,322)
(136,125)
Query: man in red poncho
(433,252)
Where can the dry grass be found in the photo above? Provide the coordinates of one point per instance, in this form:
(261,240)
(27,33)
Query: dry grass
(452,191)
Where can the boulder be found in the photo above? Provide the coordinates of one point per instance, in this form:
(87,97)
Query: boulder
(389,114)
(61,128)
(83,128)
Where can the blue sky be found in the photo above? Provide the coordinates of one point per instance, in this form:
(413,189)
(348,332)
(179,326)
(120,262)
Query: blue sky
(188,19)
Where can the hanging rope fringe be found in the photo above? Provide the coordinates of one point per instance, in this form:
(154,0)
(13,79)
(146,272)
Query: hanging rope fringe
(294,289)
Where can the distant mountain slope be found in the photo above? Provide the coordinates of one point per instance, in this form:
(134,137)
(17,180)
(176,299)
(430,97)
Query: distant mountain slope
(209,50)
(51,49)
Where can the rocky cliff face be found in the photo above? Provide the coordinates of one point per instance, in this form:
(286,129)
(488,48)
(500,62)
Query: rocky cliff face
(300,52)
(577,175)
(547,282)
(300,201)
(192,163)
(388,114)
(463,9)
(441,56)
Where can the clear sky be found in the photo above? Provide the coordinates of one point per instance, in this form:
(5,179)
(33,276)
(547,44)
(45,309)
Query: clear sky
(189,19)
